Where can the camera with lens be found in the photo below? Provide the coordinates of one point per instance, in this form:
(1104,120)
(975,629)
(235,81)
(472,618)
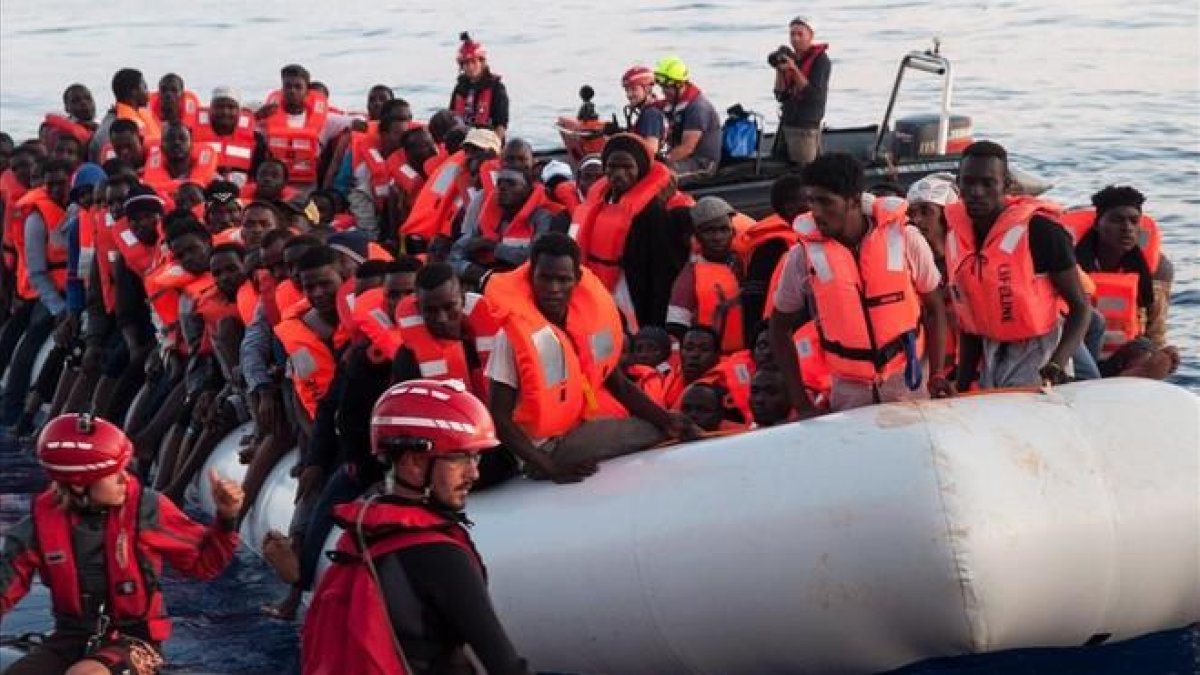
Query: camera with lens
(780,56)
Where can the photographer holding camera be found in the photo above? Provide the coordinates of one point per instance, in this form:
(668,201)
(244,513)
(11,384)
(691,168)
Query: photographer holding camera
(801,85)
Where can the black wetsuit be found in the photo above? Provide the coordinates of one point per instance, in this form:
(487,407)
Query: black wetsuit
(438,602)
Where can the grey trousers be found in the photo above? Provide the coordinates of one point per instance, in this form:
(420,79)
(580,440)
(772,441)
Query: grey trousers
(605,438)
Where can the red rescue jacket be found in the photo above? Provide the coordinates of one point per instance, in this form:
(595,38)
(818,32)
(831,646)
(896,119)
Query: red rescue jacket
(347,629)
(139,536)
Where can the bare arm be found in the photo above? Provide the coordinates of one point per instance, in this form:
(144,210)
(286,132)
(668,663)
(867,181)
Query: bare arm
(502,401)
(933,316)
(687,145)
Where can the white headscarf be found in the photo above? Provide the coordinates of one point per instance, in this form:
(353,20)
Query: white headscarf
(936,188)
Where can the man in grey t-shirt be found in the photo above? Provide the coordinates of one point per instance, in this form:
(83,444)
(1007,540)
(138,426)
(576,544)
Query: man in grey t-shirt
(694,139)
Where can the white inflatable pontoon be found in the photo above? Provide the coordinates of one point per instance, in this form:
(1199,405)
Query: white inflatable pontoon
(854,543)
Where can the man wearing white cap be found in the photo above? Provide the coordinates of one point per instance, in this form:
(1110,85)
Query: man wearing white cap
(927,200)
(230,131)
(801,86)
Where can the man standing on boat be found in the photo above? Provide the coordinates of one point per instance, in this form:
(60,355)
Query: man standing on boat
(801,86)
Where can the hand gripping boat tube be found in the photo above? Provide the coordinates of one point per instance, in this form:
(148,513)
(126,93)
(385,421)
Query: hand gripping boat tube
(861,541)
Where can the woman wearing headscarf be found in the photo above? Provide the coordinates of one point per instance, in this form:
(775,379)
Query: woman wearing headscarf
(627,235)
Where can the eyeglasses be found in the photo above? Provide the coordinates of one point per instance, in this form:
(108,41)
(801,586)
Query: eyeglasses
(461,458)
(665,81)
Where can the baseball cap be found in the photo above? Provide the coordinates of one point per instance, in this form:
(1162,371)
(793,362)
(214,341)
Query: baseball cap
(484,139)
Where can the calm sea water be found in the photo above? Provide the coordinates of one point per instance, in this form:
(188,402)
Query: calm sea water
(1084,94)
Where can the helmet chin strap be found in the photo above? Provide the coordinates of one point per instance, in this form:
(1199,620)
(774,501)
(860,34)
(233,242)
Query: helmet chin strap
(425,489)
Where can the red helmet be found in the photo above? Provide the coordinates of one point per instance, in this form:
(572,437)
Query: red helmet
(439,417)
(80,449)
(470,49)
(638,75)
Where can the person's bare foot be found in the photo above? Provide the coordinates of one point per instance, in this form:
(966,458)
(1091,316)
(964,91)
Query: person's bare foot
(277,549)
(285,609)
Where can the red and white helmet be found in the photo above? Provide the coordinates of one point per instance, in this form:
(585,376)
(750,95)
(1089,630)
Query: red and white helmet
(438,417)
(638,76)
(470,49)
(79,449)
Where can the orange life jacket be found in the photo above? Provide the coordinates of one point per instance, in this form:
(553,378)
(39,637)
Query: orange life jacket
(370,320)
(11,191)
(650,380)
(409,181)
(376,251)
(680,200)
(560,370)
(1115,294)
(1080,220)
(167,287)
(566,193)
(520,230)
(439,199)
(866,305)
(364,150)
(91,222)
(601,227)
(447,359)
(147,124)
(62,125)
(229,235)
(189,108)
(287,296)
(299,148)
(313,100)
(770,229)
(709,277)
(995,290)
(201,170)
(212,307)
(247,301)
(52,215)
(106,254)
(312,361)
(235,152)
(249,193)
(814,369)
(139,258)
(733,373)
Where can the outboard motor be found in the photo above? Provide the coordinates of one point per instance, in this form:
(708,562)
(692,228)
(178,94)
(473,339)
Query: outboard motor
(916,136)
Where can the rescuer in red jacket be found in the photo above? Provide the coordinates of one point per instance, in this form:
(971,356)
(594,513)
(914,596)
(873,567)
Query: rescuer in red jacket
(98,539)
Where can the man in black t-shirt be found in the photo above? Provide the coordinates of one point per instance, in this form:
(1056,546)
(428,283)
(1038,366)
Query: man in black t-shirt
(801,85)
(1002,304)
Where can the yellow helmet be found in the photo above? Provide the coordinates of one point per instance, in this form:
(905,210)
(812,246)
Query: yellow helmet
(671,68)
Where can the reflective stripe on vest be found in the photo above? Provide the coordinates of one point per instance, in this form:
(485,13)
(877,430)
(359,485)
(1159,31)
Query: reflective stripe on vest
(561,370)
(865,301)
(996,291)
